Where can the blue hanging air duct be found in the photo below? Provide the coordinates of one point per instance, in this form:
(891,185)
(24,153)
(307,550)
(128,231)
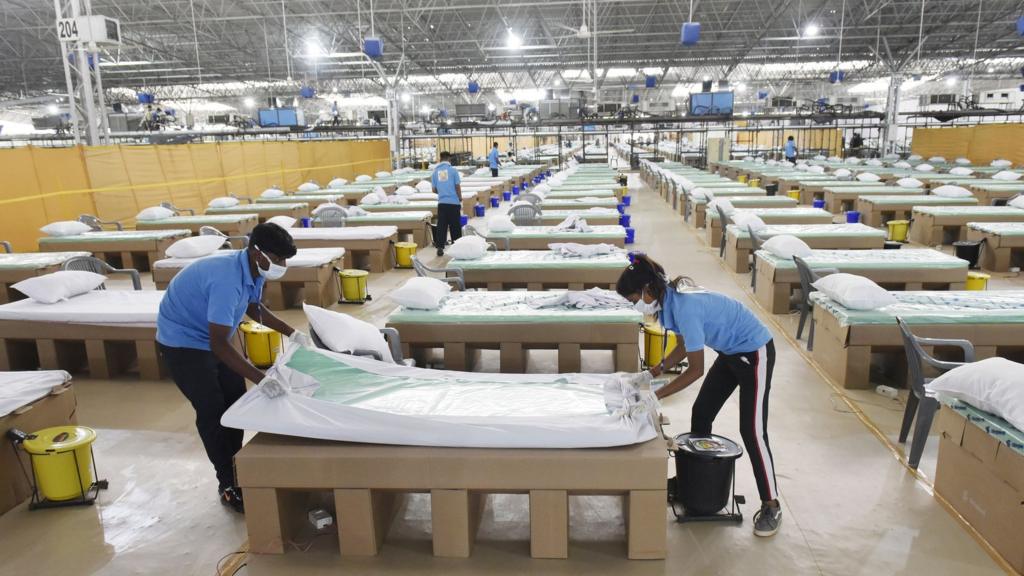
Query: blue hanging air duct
(689,35)
(373,47)
(762,94)
(650,81)
(636,99)
(474,87)
(1020,25)
(307,92)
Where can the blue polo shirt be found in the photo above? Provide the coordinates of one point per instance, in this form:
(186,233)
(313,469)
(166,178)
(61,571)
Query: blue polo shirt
(445,179)
(493,158)
(216,289)
(713,320)
(790,148)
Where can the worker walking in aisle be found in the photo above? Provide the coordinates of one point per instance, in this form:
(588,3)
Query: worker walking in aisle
(746,358)
(447,185)
(494,159)
(198,316)
(791,150)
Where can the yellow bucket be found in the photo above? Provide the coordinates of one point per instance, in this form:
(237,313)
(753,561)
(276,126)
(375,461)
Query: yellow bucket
(742,178)
(977,281)
(403,254)
(353,285)
(55,453)
(261,343)
(754,182)
(656,347)
(794,194)
(898,230)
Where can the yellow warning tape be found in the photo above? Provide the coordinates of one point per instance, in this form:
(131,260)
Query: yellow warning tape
(176,183)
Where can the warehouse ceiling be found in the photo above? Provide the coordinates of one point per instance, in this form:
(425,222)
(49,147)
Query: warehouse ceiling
(221,46)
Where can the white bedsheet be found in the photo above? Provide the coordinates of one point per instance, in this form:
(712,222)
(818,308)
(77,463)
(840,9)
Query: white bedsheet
(103,307)
(19,389)
(304,258)
(390,404)
(358,233)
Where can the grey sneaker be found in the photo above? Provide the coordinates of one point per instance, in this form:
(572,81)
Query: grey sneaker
(767,520)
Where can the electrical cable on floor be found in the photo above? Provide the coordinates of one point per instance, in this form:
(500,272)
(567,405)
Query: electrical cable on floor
(220,568)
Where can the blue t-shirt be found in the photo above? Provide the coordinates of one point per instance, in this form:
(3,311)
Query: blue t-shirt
(713,320)
(445,179)
(493,157)
(217,289)
(790,148)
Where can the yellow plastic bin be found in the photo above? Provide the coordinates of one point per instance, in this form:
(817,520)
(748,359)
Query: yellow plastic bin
(794,194)
(754,182)
(656,347)
(898,230)
(353,285)
(403,254)
(261,343)
(977,281)
(742,178)
(62,461)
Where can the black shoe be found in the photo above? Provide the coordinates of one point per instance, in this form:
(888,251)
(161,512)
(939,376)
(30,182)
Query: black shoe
(232,497)
(440,251)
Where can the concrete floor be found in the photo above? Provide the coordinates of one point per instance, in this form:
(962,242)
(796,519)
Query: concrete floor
(850,505)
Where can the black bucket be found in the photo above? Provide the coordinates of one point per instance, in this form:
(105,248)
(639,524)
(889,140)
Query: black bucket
(968,250)
(772,189)
(704,473)
(891,245)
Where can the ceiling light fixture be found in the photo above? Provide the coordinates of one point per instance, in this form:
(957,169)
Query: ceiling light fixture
(513,41)
(811,30)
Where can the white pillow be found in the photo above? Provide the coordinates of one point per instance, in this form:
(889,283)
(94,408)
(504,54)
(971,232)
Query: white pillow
(343,333)
(909,183)
(421,293)
(746,220)
(992,385)
(726,206)
(868,177)
(924,168)
(468,248)
(425,186)
(821,157)
(276,192)
(786,246)
(1017,202)
(891,156)
(802,167)
(383,174)
(834,159)
(283,221)
(963,161)
(223,202)
(1001,163)
(937,160)
(915,157)
(308,187)
(58,286)
(337,183)
(855,292)
(842,173)
(702,194)
(902,164)
(950,191)
(354,211)
(873,162)
(195,246)
(500,223)
(541,189)
(65,228)
(961,171)
(1007,175)
(327,206)
(370,199)
(482,171)
(817,169)
(364,178)
(853,160)
(405,190)
(154,213)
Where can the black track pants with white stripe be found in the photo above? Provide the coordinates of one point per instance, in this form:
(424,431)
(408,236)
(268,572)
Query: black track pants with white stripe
(752,372)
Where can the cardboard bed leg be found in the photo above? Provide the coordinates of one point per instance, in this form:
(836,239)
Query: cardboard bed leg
(645,524)
(549,524)
(364,517)
(454,518)
(513,359)
(569,360)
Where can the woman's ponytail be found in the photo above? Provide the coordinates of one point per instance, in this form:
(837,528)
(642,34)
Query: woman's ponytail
(642,273)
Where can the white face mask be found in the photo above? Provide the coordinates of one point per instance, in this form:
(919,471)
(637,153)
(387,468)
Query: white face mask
(645,308)
(275,272)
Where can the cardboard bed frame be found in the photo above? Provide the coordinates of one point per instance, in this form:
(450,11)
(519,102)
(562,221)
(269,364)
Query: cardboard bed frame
(537,279)
(137,254)
(281,475)
(11,276)
(1000,252)
(299,211)
(932,230)
(713,227)
(542,243)
(242,226)
(375,255)
(876,215)
(737,250)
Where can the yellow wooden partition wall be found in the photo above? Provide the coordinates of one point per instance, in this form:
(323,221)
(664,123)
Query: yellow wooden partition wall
(981,144)
(42,185)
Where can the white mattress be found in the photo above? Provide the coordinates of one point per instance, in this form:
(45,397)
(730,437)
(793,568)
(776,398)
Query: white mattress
(304,258)
(19,389)
(103,307)
(359,233)
(359,400)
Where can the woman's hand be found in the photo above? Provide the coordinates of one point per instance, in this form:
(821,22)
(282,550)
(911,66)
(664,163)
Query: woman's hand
(656,370)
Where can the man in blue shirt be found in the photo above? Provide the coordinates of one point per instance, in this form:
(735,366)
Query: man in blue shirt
(791,150)
(447,184)
(492,158)
(198,316)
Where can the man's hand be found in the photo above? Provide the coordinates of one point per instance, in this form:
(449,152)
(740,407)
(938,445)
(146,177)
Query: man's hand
(302,339)
(271,388)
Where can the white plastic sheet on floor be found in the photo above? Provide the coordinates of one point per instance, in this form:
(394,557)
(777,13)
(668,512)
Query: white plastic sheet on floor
(19,389)
(340,397)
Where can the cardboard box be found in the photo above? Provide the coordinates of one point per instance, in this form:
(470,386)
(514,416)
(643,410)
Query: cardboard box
(57,409)
(983,480)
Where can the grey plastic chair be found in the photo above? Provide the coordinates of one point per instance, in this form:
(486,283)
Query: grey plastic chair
(531,198)
(724,220)
(330,217)
(211,231)
(6,246)
(755,243)
(922,404)
(808,276)
(390,335)
(97,266)
(177,210)
(526,215)
(453,276)
(97,224)
(469,230)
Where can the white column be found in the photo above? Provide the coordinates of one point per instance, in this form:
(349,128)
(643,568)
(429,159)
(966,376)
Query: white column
(892,108)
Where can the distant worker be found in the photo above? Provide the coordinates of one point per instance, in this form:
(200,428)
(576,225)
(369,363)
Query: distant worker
(857,141)
(198,316)
(448,186)
(791,150)
(494,159)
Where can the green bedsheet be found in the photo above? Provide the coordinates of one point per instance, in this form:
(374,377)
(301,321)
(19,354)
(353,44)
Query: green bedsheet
(540,260)
(509,307)
(199,219)
(612,232)
(812,230)
(993,425)
(920,200)
(115,236)
(873,259)
(933,307)
(999,228)
(36,260)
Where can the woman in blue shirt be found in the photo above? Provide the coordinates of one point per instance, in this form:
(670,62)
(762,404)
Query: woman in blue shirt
(791,150)
(746,358)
